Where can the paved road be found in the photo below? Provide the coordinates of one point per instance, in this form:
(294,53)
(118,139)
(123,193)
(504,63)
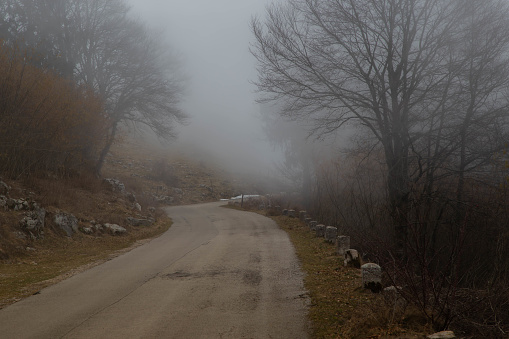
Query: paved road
(217,273)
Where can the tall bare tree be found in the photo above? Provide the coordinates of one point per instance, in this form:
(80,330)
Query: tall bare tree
(98,44)
(376,63)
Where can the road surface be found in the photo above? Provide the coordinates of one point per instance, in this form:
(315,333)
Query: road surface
(217,273)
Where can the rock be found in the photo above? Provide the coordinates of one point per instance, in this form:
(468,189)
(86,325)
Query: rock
(285,212)
(34,221)
(115,229)
(4,188)
(320,231)
(331,234)
(99,227)
(178,191)
(291,213)
(442,335)
(137,207)
(152,210)
(372,277)
(307,220)
(352,258)
(312,225)
(87,230)
(139,222)
(392,296)
(115,185)
(342,244)
(67,222)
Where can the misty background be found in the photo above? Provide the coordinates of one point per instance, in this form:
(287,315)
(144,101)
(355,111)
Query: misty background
(212,40)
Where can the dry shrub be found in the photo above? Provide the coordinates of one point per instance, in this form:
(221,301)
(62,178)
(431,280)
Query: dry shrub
(48,124)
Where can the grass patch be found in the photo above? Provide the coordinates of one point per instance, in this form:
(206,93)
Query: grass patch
(54,259)
(340,307)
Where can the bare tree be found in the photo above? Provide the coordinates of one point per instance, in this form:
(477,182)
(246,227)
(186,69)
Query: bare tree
(98,44)
(376,63)
(427,79)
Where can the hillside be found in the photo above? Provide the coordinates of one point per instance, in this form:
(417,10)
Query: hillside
(35,250)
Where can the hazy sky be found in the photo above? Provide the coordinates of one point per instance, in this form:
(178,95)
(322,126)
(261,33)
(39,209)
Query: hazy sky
(213,39)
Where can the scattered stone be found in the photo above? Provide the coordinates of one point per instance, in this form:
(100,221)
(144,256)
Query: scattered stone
(291,213)
(87,230)
(115,185)
(115,229)
(33,221)
(343,243)
(312,225)
(372,277)
(99,227)
(442,335)
(164,199)
(139,222)
(4,188)
(67,222)
(331,234)
(320,231)
(17,204)
(137,207)
(352,258)
(20,235)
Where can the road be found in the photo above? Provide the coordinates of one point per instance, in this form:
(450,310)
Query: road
(217,273)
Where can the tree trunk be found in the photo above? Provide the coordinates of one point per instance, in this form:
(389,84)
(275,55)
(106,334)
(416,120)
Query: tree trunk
(105,150)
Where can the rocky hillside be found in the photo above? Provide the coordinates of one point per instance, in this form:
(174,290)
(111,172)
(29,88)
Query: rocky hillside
(38,214)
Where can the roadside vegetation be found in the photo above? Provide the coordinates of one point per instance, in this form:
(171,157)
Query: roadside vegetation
(420,186)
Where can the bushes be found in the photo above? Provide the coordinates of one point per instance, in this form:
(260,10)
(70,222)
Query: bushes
(455,269)
(47,123)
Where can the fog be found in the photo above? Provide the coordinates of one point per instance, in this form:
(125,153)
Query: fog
(212,39)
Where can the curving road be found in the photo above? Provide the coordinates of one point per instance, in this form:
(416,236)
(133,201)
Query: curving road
(217,273)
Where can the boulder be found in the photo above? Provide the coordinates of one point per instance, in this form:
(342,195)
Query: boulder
(352,258)
(312,225)
(115,185)
(137,207)
(67,222)
(372,277)
(320,231)
(87,230)
(115,229)
(331,234)
(33,221)
(342,244)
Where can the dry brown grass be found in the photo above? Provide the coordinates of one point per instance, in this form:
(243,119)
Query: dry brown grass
(55,258)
